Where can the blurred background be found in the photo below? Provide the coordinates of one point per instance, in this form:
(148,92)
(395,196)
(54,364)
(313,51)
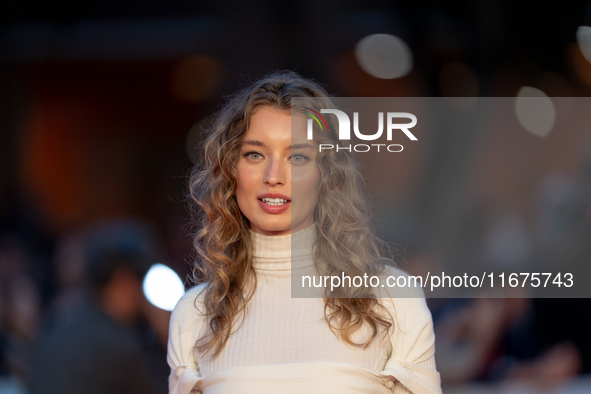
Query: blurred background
(101,107)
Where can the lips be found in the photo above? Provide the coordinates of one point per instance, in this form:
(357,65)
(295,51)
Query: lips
(274,196)
(274,203)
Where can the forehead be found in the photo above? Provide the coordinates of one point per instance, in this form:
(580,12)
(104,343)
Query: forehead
(271,124)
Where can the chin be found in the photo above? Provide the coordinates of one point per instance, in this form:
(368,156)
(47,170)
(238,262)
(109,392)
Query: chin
(271,228)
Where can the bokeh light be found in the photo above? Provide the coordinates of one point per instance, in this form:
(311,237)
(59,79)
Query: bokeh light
(535,111)
(384,56)
(584,41)
(163,287)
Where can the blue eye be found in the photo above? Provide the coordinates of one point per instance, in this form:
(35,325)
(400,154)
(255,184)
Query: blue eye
(253,155)
(299,158)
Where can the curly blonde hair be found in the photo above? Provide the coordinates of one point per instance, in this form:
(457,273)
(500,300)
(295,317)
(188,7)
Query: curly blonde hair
(222,239)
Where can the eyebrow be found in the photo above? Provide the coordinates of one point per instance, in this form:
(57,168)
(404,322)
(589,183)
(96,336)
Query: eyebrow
(262,144)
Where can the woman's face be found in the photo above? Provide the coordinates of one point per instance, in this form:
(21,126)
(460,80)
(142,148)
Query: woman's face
(278,179)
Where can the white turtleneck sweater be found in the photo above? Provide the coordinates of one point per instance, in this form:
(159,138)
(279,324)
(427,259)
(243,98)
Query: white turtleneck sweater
(285,345)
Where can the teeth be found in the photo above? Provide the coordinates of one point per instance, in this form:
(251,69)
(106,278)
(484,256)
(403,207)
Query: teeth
(274,201)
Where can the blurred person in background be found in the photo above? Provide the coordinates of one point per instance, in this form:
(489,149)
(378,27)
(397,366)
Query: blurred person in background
(90,344)
(541,343)
(20,306)
(499,339)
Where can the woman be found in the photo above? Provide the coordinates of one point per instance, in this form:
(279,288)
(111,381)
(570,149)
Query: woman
(266,198)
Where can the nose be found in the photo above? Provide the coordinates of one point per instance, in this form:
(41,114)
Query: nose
(275,173)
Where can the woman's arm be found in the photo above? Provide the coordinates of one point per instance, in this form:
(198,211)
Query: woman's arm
(411,364)
(184,325)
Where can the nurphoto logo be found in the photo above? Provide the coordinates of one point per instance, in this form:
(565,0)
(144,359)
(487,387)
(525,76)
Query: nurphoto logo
(345,129)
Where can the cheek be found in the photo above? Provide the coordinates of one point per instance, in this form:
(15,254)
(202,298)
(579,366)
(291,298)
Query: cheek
(306,183)
(247,184)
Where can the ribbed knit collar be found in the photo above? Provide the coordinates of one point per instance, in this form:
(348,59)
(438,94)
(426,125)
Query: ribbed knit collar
(283,247)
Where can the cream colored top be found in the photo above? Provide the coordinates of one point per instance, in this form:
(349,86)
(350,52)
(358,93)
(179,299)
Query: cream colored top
(284,344)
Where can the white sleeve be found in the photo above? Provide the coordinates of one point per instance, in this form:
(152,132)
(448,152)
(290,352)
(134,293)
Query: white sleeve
(184,372)
(411,365)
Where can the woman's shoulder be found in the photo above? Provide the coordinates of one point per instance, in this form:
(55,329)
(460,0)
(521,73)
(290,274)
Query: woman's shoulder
(397,283)
(191,303)
(402,295)
(394,271)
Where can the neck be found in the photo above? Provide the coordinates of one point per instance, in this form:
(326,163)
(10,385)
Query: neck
(288,231)
(284,246)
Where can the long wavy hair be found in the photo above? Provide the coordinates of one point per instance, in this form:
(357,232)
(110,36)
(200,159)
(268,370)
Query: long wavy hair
(345,242)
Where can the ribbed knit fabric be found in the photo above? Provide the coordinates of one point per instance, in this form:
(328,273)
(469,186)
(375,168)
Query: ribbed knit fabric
(284,344)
